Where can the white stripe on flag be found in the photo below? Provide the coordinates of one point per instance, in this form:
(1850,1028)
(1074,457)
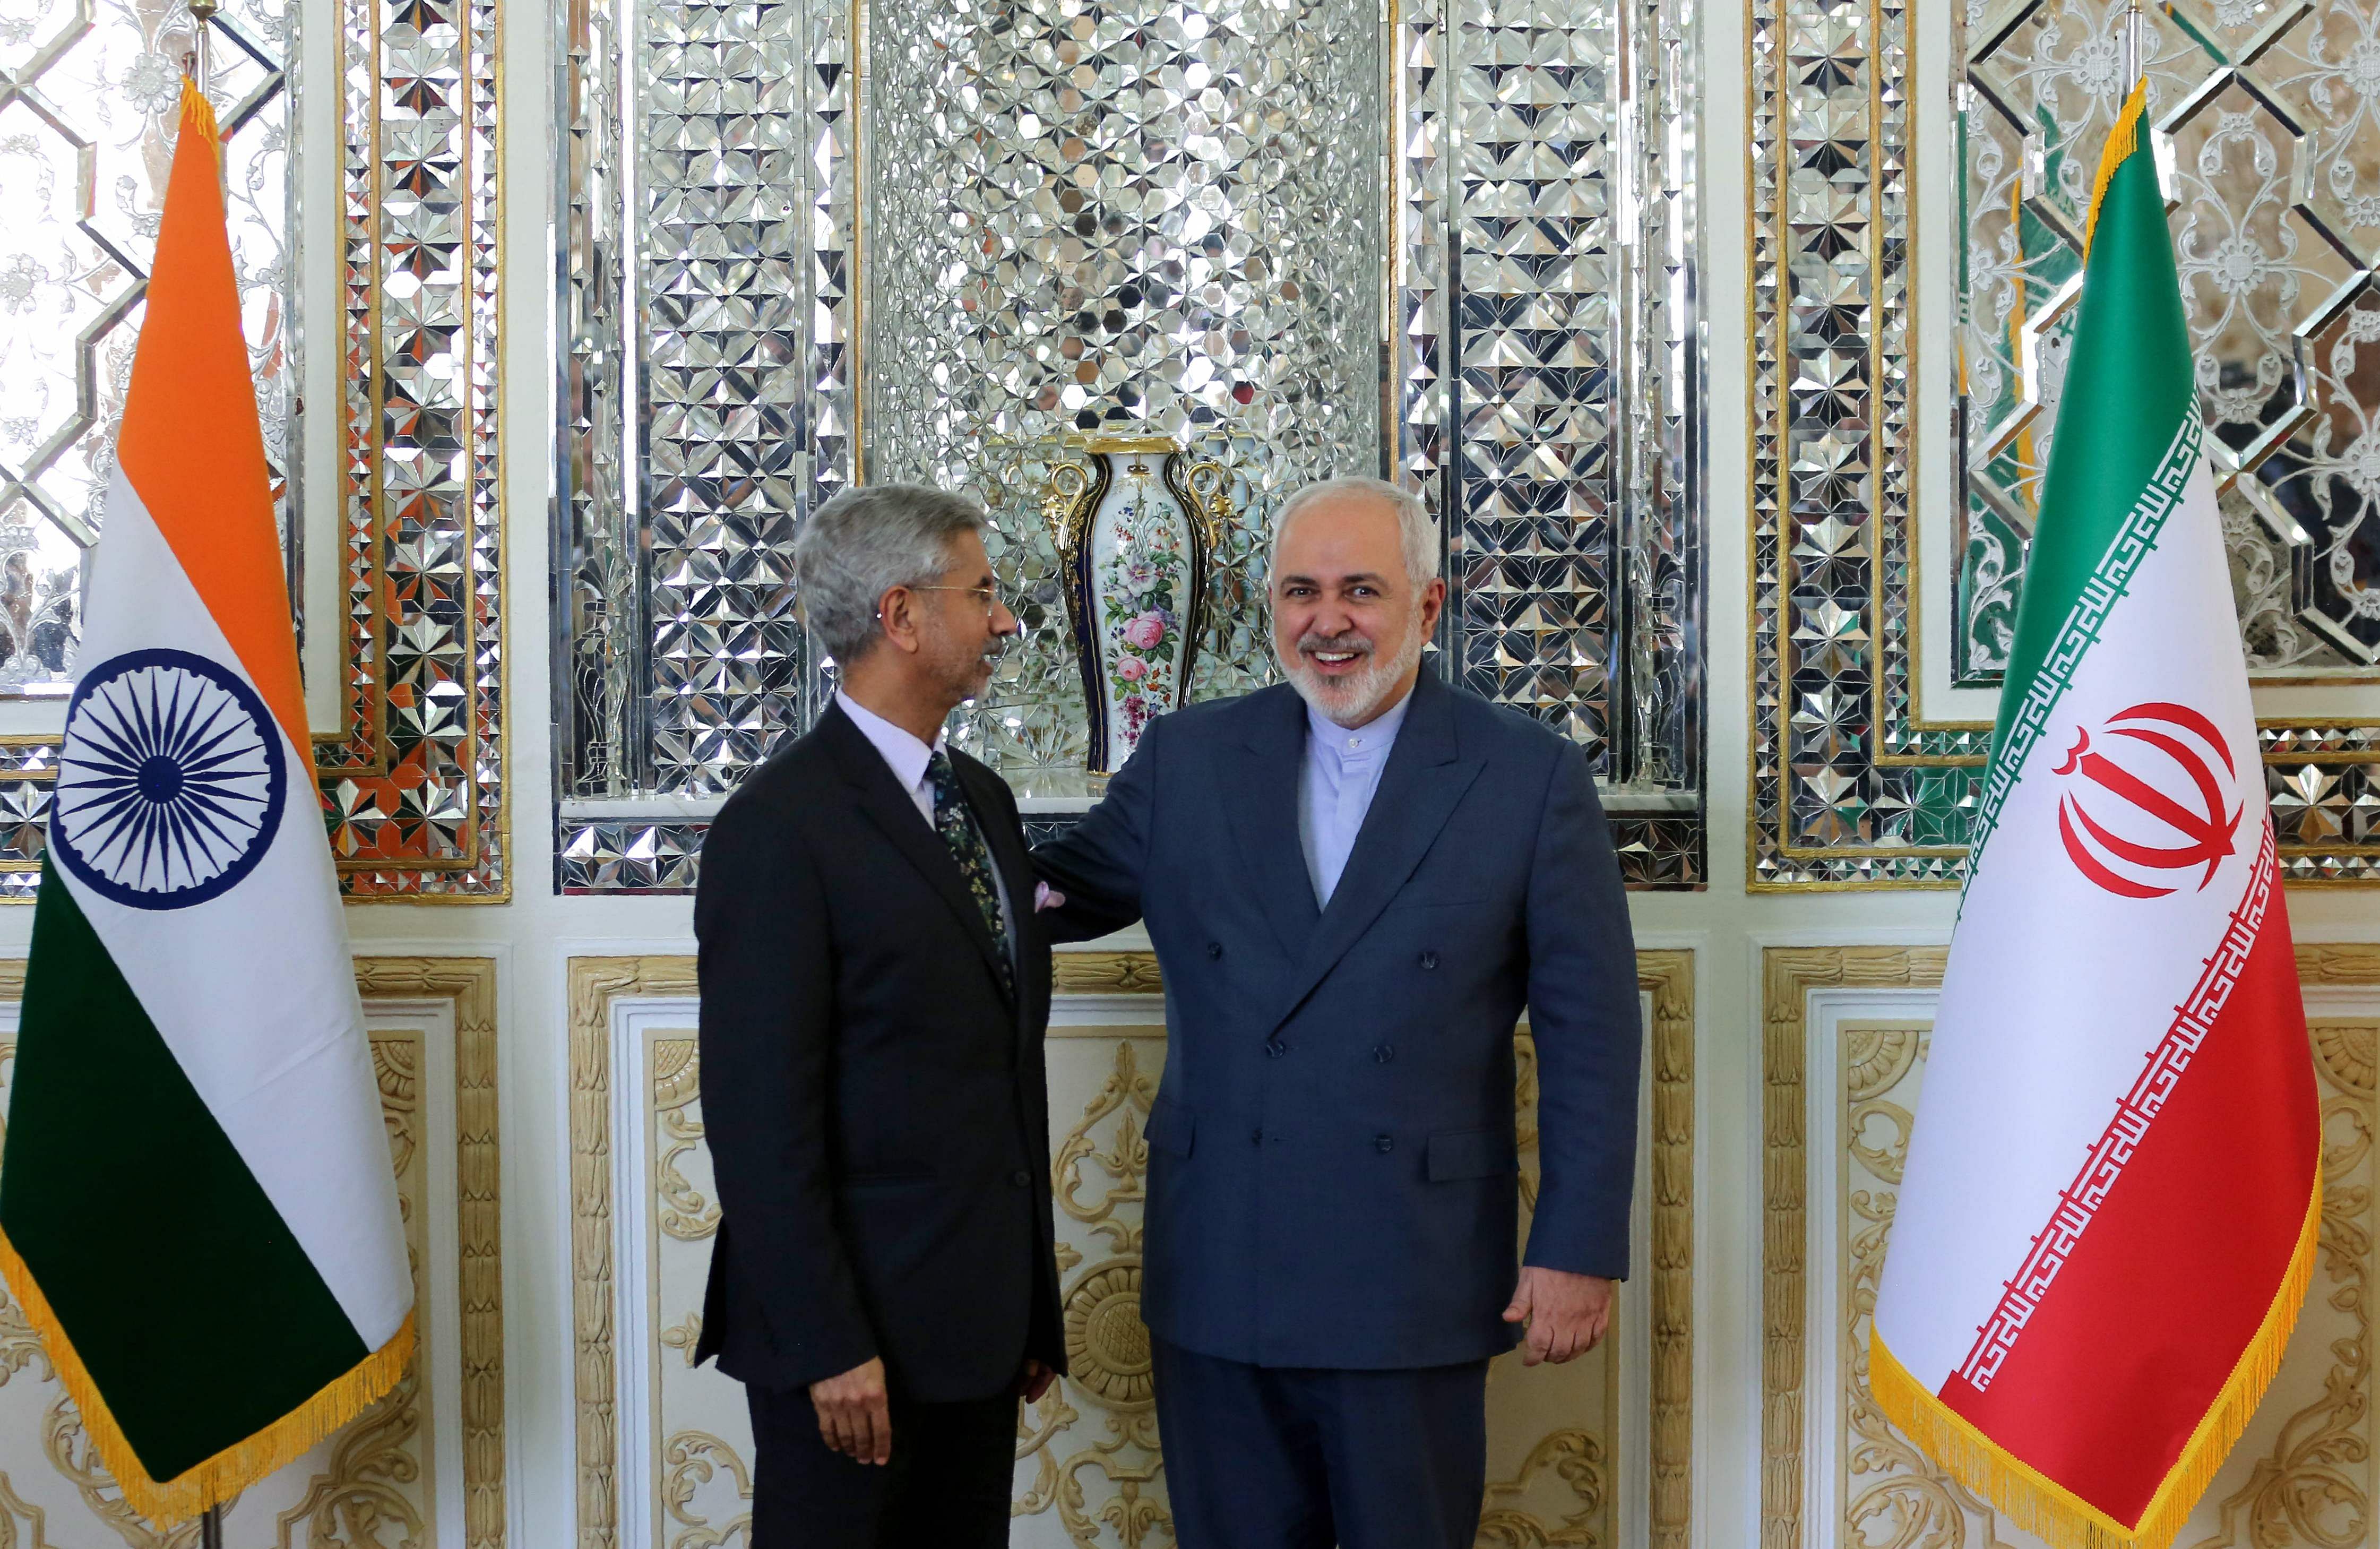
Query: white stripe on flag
(254,989)
(2056,991)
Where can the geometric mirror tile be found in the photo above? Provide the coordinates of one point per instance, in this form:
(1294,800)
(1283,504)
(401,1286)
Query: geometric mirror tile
(412,771)
(1851,784)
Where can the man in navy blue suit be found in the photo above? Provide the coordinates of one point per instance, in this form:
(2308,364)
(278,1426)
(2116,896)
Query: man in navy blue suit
(1354,883)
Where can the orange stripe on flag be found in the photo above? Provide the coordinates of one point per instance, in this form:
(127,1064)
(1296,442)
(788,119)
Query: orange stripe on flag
(191,445)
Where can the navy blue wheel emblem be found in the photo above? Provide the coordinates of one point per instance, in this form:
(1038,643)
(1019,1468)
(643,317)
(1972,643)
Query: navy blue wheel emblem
(171,781)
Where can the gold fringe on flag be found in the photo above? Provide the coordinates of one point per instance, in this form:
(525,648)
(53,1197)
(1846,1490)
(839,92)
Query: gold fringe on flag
(237,1467)
(2048,1511)
(198,113)
(2123,140)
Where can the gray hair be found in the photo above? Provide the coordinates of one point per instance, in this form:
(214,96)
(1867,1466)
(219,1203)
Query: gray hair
(864,543)
(1416,528)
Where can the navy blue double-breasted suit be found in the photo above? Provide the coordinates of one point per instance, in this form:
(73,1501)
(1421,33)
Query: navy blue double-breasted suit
(1333,1169)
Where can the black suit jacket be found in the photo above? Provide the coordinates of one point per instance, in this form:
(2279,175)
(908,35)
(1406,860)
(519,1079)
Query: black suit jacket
(874,1103)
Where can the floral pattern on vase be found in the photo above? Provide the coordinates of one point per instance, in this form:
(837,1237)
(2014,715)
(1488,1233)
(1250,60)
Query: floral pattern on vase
(1133,521)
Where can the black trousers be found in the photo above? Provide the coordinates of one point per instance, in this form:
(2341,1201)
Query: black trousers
(1295,1457)
(947,1486)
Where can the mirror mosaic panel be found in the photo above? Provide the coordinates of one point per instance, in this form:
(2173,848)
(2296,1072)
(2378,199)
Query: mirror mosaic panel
(412,776)
(1125,219)
(89,98)
(2270,116)
(1090,220)
(1851,784)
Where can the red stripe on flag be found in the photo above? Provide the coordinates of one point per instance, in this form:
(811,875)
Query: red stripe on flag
(2122,1352)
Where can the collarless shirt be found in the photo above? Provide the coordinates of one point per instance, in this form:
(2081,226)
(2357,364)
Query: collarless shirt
(1342,775)
(907,757)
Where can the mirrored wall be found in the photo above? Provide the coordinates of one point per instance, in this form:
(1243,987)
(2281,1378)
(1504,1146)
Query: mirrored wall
(809,243)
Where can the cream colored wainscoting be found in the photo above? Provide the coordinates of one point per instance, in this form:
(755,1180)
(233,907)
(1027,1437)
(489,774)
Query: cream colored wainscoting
(425,1467)
(1594,1454)
(1847,1035)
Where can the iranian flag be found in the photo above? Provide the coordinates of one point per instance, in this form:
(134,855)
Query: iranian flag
(2113,1190)
(198,1212)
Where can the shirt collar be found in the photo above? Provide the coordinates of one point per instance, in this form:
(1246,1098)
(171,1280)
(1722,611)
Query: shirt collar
(899,747)
(1377,735)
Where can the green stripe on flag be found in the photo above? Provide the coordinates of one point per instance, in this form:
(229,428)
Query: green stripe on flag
(190,1306)
(2126,436)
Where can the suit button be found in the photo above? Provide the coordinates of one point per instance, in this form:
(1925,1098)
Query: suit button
(1020,1178)
(1214,949)
(1430,959)
(1256,1138)
(1386,1142)
(1385,1052)
(1275,1048)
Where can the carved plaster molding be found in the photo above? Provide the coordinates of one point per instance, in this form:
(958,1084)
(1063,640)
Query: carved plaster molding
(1789,975)
(1105,973)
(369,1453)
(594,983)
(468,986)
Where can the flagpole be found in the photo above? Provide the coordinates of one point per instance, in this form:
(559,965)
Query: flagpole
(2134,65)
(203,66)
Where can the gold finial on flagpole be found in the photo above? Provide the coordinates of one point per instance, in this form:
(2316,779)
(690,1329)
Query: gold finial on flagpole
(201,69)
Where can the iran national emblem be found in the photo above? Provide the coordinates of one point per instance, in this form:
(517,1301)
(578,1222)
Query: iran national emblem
(2122,818)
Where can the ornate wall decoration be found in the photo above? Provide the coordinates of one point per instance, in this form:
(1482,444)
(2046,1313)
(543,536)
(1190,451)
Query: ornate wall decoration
(2270,116)
(415,778)
(1062,261)
(1850,785)
(2296,1478)
(1573,1468)
(84,145)
(373,1481)
(1089,1469)
(690,452)
(412,776)
(1146,217)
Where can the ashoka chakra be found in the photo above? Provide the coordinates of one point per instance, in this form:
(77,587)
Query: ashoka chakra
(171,781)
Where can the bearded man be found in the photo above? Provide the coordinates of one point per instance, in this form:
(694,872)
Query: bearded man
(1354,883)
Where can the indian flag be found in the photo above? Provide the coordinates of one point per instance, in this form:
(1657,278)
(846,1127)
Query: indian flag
(198,1212)
(2109,1212)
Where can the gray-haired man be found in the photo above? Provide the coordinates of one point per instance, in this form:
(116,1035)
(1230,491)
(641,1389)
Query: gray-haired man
(1354,881)
(875,986)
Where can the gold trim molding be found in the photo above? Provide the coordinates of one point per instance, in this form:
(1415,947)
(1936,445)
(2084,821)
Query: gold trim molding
(468,987)
(1787,976)
(594,983)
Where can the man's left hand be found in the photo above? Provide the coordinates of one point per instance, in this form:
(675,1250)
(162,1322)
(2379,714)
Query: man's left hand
(1034,1380)
(1566,1314)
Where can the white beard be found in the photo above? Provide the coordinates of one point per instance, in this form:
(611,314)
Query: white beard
(1355,699)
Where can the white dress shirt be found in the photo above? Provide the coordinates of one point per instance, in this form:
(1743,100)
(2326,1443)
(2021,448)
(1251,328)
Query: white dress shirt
(907,757)
(1342,774)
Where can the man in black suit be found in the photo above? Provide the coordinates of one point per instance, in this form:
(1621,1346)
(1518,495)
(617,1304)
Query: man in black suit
(875,988)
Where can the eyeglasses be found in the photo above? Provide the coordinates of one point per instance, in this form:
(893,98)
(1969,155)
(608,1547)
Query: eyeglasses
(988,595)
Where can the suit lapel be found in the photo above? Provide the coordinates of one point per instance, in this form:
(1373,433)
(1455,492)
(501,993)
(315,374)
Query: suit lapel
(1261,786)
(890,809)
(1426,777)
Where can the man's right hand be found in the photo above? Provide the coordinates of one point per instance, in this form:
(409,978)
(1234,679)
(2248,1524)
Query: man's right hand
(852,1413)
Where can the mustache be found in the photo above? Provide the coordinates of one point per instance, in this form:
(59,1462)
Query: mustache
(1309,642)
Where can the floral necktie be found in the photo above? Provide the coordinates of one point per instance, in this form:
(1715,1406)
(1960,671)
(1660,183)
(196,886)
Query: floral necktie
(958,831)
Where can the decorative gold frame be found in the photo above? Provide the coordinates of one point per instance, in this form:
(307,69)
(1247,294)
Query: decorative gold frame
(1787,975)
(468,987)
(594,983)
